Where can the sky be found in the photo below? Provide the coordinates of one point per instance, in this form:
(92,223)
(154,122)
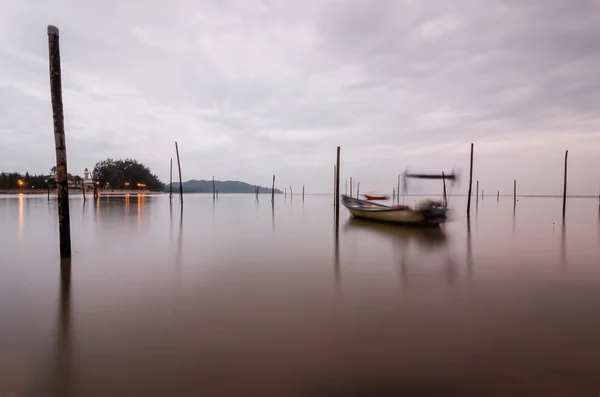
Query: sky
(252,88)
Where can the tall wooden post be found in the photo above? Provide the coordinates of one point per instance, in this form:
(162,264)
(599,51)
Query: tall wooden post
(214,190)
(565,185)
(302,192)
(62,186)
(351,187)
(515,193)
(498,196)
(358,190)
(470,181)
(171,180)
(180,181)
(273,191)
(477,192)
(337,187)
(444,182)
(334,188)
(291,194)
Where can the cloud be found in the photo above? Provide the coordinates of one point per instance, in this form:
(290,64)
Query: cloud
(252,88)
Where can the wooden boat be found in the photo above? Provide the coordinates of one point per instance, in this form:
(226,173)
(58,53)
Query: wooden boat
(428,212)
(375,197)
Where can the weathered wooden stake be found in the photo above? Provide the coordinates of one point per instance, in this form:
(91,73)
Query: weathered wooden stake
(180,181)
(565,185)
(470,182)
(351,187)
(171,181)
(477,192)
(498,196)
(398,190)
(291,194)
(273,191)
(393,193)
(48,183)
(358,190)
(337,187)
(62,186)
(444,182)
(482,194)
(334,189)
(214,190)
(302,192)
(83,191)
(515,193)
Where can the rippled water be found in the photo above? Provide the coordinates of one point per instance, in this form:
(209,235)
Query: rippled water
(239,298)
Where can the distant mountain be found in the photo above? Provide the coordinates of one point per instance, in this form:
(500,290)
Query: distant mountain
(195,186)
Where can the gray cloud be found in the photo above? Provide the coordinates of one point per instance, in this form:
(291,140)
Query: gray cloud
(251,88)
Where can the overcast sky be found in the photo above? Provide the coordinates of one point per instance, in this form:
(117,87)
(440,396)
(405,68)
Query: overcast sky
(251,88)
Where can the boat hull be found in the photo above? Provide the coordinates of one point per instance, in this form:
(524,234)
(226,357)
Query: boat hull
(381,213)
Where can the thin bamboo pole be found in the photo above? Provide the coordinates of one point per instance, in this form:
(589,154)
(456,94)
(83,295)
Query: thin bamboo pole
(565,186)
(470,182)
(180,181)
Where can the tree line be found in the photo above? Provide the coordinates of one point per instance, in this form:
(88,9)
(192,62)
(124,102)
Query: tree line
(107,174)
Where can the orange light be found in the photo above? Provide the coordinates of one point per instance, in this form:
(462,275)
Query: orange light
(126,183)
(20,182)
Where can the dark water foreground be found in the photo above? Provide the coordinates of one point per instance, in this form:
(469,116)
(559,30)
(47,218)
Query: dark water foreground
(233,298)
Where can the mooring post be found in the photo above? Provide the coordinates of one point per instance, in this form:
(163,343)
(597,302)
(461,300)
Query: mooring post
(393,193)
(481,194)
(351,187)
(83,191)
(48,185)
(302,192)
(273,191)
(470,182)
(358,190)
(337,188)
(180,181)
(397,190)
(291,194)
(62,186)
(214,190)
(334,188)
(515,193)
(498,196)
(171,181)
(477,192)
(565,185)
(444,182)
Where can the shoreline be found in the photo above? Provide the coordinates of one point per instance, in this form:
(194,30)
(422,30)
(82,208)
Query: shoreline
(75,192)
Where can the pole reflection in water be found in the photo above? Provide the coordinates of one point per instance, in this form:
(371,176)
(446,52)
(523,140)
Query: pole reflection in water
(62,370)
(514,218)
(469,247)
(563,244)
(179,246)
(127,198)
(272,218)
(21,216)
(336,253)
(97,207)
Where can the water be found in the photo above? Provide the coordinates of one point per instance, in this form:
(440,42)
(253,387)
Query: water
(235,298)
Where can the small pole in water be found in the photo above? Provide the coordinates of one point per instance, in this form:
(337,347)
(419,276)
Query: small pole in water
(350,186)
(397,190)
(83,191)
(180,181)
(358,190)
(498,196)
(515,193)
(171,181)
(302,192)
(470,182)
(481,194)
(337,188)
(214,190)
(217,193)
(444,182)
(62,186)
(291,194)
(48,185)
(477,192)
(273,191)
(393,193)
(565,186)
(285,193)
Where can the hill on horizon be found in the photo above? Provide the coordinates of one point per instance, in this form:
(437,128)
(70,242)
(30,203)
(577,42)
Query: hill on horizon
(202,186)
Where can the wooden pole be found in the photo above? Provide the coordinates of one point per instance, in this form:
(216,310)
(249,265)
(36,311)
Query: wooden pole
(498,196)
(444,182)
(482,194)
(398,190)
(470,182)
(217,193)
(515,193)
(291,194)
(477,192)
(48,184)
(351,187)
(171,181)
(302,192)
(565,185)
(273,191)
(62,186)
(334,188)
(214,190)
(337,187)
(83,191)
(358,190)
(180,181)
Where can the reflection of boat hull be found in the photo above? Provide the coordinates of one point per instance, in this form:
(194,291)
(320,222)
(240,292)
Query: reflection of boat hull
(427,237)
(371,197)
(381,213)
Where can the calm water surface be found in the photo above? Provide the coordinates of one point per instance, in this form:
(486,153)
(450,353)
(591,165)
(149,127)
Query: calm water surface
(236,298)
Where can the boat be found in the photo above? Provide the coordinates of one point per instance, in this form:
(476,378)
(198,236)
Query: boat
(427,212)
(375,197)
